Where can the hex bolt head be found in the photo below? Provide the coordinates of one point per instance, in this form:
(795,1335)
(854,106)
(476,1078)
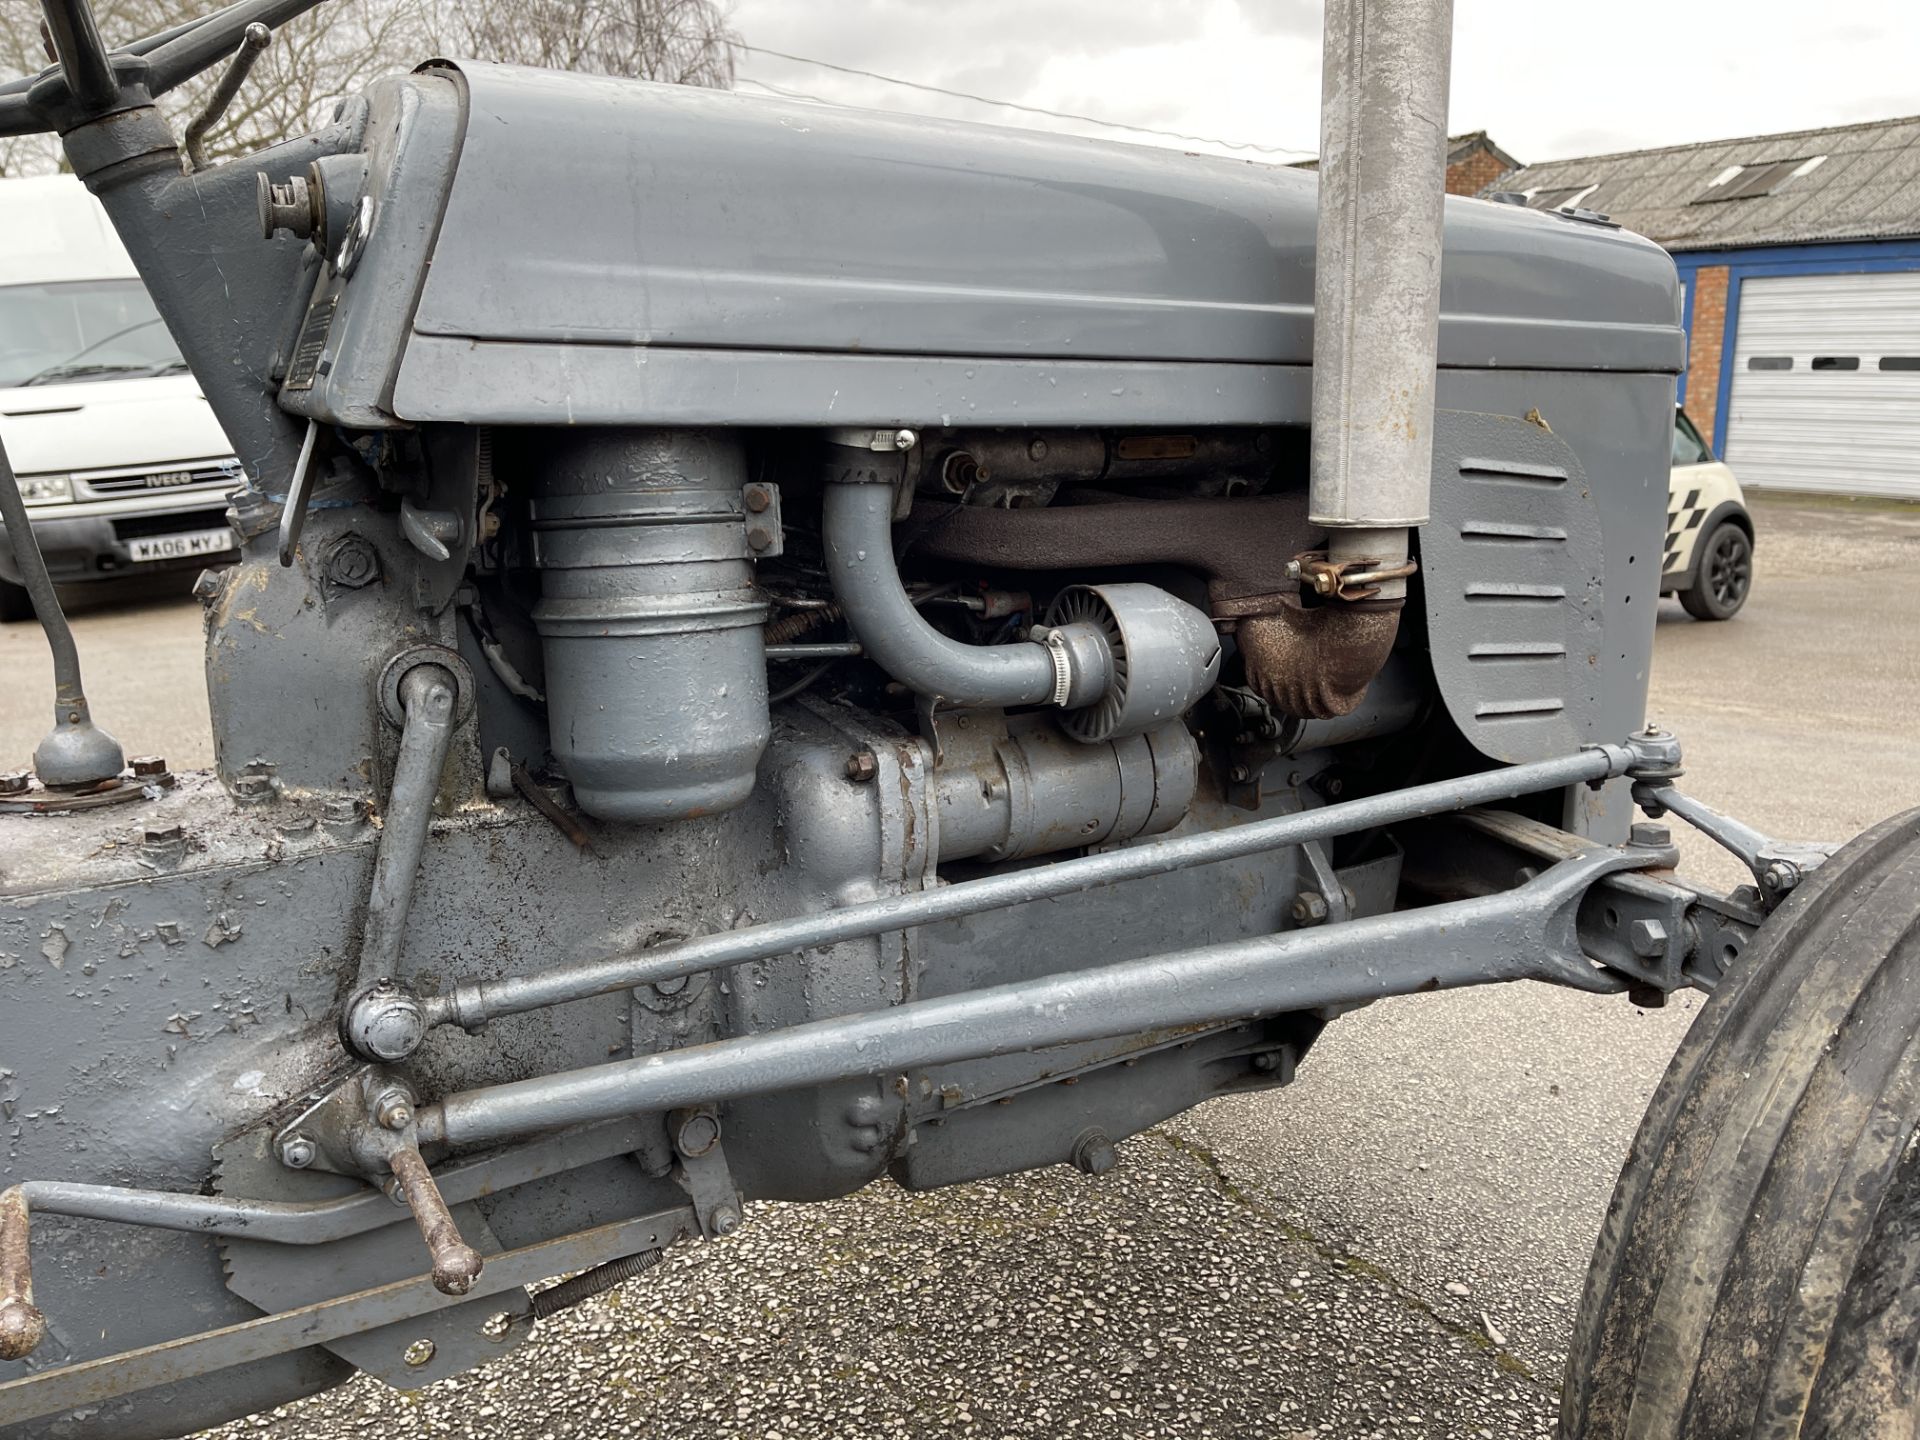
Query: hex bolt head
(297,1152)
(1648,938)
(862,766)
(393,1110)
(759,537)
(252,789)
(1094,1153)
(726,1220)
(1240,774)
(353,563)
(148,765)
(15,782)
(1309,908)
(344,815)
(1652,836)
(1780,876)
(756,497)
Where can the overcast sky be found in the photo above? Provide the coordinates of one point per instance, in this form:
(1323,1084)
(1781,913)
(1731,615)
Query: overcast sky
(1548,79)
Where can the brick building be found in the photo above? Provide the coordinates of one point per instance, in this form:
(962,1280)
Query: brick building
(1473,163)
(1800,254)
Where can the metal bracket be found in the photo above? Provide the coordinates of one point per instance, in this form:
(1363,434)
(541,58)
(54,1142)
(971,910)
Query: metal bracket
(704,1175)
(94,1382)
(1778,866)
(1345,579)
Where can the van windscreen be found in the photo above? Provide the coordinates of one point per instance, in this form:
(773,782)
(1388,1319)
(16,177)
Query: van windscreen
(81,330)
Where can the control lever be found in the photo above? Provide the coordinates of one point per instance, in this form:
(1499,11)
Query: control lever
(456,1264)
(253,40)
(22,1326)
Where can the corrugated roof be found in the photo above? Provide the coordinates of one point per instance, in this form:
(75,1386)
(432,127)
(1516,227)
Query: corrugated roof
(1867,187)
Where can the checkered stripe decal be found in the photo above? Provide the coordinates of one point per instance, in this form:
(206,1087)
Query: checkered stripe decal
(1681,524)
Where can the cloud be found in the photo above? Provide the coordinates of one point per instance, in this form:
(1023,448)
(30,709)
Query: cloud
(1546,81)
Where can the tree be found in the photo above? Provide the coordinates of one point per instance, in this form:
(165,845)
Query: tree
(683,42)
(339,47)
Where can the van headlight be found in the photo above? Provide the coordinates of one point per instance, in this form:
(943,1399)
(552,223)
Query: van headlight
(46,489)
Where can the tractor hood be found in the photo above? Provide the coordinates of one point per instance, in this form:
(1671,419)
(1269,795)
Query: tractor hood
(612,251)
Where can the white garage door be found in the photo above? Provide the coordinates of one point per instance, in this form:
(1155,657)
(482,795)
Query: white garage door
(1826,384)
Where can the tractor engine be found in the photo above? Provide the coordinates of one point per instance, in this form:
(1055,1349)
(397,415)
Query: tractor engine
(724,579)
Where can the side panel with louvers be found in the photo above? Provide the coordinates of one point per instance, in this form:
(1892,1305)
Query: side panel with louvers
(1540,565)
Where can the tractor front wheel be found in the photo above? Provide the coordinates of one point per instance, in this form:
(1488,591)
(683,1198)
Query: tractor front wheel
(1758,1273)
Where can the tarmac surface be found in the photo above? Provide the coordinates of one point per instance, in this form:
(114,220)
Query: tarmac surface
(1392,1246)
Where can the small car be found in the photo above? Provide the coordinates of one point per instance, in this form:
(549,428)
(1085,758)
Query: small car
(123,467)
(1709,546)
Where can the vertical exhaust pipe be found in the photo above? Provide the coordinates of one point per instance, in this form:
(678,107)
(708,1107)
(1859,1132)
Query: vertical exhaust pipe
(1383,161)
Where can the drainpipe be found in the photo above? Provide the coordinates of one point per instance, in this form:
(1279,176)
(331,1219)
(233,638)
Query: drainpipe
(1383,159)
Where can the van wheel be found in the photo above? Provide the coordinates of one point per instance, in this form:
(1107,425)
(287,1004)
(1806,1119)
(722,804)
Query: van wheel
(15,603)
(1725,575)
(1758,1273)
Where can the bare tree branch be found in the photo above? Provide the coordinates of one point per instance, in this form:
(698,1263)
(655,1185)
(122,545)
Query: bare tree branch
(342,46)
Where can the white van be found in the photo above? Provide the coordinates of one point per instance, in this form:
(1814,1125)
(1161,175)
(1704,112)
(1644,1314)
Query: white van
(121,463)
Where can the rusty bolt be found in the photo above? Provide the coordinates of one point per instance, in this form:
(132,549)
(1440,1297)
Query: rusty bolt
(1094,1154)
(148,765)
(297,1152)
(759,537)
(1654,837)
(1309,908)
(862,766)
(757,497)
(698,1134)
(726,1220)
(15,782)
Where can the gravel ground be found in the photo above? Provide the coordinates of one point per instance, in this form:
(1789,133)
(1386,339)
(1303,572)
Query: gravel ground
(1166,1301)
(1326,1260)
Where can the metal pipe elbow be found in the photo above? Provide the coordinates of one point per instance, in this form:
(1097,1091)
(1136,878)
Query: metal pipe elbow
(858,537)
(1317,664)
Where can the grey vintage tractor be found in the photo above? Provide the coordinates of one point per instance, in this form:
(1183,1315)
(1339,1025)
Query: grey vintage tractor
(778,647)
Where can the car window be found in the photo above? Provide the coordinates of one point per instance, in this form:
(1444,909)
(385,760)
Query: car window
(1688,448)
(81,330)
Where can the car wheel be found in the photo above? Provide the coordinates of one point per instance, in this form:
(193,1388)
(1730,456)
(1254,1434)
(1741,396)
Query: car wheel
(1758,1272)
(15,603)
(1725,575)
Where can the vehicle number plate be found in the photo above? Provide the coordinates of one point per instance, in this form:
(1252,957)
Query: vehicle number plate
(175,547)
